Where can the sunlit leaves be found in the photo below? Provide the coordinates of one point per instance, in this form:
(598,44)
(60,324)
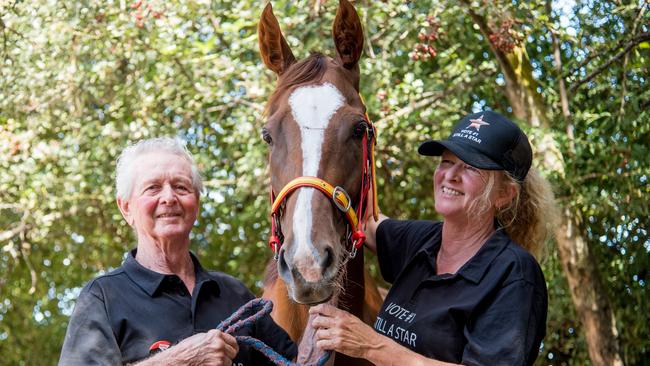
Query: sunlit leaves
(79,80)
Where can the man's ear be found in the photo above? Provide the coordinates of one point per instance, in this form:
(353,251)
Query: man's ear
(125,209)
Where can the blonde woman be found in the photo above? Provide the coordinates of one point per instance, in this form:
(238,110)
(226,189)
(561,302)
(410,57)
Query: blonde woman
(467,290)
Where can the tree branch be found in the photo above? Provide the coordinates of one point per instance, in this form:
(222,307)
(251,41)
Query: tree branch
(18,230)
(426,100)
(631,44)
(410,108)
(9,206)
(4,38)
(592,55)
(368,43)
(635,24)
(25,254)
(485,30)
(564,99)
(257,106)
(185,72)
(8,234)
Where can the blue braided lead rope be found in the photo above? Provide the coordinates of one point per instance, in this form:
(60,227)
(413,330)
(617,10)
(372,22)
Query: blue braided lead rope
(258,308)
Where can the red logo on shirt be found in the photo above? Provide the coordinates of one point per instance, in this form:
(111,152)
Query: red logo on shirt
(159,346)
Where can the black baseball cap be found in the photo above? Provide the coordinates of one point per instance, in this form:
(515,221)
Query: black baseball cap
(486,140)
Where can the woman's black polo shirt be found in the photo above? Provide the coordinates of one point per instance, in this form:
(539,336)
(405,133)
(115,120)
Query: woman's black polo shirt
(120,315)
(491,312)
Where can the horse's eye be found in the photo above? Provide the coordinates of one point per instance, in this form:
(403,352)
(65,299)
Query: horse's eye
(267,136)
(359,129)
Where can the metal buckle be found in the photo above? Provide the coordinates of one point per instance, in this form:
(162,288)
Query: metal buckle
(345,194)
(348,239)
(353,252)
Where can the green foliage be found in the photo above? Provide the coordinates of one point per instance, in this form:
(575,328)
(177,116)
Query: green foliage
(79,80)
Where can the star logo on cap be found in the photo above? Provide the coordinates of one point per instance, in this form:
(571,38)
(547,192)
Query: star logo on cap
(477,123)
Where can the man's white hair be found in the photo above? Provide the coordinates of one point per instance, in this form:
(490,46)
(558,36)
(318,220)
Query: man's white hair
(125,174)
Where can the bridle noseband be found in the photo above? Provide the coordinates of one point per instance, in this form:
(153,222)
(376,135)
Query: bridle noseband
(338,195)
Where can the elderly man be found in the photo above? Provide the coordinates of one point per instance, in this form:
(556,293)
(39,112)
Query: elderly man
(161,306)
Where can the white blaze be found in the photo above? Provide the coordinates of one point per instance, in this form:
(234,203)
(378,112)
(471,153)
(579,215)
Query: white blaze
(312,108)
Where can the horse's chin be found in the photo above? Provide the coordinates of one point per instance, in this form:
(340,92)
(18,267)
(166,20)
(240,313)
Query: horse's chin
(311,302)
(311,294)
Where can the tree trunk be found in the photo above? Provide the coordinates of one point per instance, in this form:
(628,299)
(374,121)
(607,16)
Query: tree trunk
(587,294)
(591,303)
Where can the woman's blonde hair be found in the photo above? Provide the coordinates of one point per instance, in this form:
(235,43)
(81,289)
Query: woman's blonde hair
(530,216)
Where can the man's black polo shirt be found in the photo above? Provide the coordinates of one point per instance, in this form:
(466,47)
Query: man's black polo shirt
(120,315)
(491,312)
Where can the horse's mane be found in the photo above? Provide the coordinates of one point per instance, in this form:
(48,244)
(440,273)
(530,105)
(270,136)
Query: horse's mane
(304,71)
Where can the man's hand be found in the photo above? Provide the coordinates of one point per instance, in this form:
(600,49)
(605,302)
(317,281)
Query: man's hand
(213,348)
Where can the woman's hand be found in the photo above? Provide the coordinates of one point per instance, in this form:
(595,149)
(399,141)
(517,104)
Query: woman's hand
(342,332)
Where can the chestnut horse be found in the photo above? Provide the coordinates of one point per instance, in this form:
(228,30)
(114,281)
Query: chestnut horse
(315,128)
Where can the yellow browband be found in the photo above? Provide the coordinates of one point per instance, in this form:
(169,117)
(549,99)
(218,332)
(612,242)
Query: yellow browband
(341,198)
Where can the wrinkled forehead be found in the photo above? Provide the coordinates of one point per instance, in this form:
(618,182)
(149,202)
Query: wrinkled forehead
(160,165)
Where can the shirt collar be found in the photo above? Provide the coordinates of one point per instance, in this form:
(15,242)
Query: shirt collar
(150,280)
(476,266)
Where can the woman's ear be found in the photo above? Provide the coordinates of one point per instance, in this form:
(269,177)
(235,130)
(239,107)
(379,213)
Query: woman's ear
(506,192)
(125,209)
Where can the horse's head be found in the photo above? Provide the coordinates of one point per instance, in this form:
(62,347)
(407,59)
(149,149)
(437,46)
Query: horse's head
(315,127)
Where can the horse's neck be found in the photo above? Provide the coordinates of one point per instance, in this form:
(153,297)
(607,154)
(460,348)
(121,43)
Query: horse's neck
(359,296)
(352,295)
(289,315)
(355,299)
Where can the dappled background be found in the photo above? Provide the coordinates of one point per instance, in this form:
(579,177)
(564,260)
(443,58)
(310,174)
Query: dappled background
(80,80)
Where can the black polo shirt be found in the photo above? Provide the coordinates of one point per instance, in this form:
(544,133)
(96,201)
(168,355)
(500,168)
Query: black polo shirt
(491,312)
(120,315)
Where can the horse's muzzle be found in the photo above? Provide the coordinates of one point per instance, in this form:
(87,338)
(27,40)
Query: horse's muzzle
(308,282)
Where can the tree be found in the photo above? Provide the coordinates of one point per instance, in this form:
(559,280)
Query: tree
(508,30)
(589,297)
(80,80)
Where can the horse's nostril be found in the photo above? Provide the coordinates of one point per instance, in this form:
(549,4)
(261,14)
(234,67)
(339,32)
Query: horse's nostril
(329,258)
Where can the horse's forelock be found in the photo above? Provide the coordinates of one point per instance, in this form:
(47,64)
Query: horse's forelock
(311,69)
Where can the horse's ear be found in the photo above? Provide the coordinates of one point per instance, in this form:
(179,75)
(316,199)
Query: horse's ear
(274,49)
(348,34)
